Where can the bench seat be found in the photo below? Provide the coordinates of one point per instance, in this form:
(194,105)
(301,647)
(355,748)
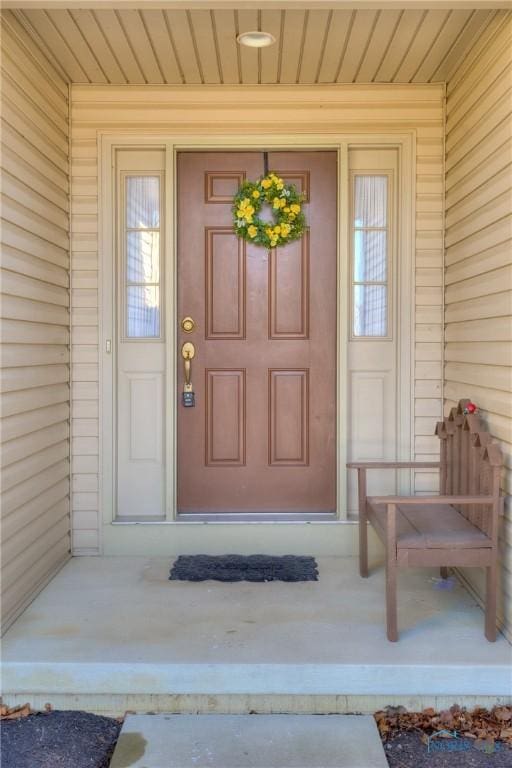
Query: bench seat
(432,526)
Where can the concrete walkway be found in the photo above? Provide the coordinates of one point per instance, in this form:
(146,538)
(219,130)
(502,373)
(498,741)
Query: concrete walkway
(249,741)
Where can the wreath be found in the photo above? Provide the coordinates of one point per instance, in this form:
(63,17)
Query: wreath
(285,201)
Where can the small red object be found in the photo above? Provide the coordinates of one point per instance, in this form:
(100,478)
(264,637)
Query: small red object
(470,408)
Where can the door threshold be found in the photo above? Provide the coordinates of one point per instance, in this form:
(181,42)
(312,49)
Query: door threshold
(257,517)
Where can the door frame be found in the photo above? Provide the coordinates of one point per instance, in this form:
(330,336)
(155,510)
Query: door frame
(108,143)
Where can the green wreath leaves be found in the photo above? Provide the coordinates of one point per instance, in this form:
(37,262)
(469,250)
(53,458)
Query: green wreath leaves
(286,203)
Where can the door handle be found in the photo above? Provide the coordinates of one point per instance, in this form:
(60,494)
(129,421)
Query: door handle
(187,352)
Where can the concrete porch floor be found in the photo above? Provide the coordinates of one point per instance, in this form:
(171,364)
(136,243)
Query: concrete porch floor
(109,634)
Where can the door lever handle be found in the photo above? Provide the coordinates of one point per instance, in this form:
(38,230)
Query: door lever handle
(187,352)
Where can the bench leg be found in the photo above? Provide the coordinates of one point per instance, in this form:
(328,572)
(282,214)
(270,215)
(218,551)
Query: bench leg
(363,525)
(363,546)
(444,572)
(490,601)
(391,604)
(391,569)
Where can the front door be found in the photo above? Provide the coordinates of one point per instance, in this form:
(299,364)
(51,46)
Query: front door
(261,437)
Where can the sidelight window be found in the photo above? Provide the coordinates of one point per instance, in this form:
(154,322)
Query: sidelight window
(142,256)
(370,255)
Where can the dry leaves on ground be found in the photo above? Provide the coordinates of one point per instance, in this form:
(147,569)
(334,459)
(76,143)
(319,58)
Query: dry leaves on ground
(13,713)
(481,724)
(22,710)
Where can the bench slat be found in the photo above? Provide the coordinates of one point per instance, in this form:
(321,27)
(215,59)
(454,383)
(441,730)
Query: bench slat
(456,558)
(436,526)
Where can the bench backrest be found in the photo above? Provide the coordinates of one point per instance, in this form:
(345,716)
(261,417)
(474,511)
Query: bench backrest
(471,463)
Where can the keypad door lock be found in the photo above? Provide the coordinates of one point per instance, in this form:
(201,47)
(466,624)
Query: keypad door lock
(188,398)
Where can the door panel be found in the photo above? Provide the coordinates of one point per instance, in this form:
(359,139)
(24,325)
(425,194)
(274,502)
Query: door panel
(262,435)
(288,418)
(225,418)
(288,286)
(225,284)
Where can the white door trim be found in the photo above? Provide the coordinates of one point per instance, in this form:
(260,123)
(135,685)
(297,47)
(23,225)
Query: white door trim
(108,143)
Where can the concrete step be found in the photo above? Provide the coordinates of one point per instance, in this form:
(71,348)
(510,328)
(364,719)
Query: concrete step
(249,741)
(114,634)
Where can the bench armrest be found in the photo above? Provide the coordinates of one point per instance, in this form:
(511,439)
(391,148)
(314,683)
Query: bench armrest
(393,465)
(486,500)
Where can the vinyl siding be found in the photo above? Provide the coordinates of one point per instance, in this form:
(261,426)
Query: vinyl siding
(161,109)
(478,277)
(35,321)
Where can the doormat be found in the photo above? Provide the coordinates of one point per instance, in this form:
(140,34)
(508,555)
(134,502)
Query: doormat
(244,568)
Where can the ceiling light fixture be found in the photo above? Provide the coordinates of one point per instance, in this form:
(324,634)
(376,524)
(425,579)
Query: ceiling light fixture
(256,39)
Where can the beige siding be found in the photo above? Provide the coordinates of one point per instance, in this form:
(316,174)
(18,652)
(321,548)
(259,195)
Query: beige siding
(35,321)
(374,109)
(478,349)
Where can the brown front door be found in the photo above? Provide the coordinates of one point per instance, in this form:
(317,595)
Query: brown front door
(262,434)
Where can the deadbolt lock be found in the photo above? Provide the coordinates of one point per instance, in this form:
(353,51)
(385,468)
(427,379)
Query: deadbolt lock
(188,324)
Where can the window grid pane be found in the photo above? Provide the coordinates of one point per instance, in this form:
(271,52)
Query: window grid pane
(142,257)
(143,312)
(370,252)
(370,201)
(142,202)
(370,256)
(370,310)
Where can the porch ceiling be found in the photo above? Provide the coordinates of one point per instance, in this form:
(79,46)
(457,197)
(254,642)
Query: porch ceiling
(198,46)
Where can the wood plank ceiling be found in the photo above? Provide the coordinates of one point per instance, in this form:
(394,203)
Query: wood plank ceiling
(199,46)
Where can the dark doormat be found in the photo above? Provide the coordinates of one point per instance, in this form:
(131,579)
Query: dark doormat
(244,568)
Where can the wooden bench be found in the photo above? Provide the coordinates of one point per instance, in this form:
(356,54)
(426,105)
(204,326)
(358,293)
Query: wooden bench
(457,528)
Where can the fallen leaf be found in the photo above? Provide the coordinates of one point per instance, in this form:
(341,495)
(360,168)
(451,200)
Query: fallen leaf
(13,713)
